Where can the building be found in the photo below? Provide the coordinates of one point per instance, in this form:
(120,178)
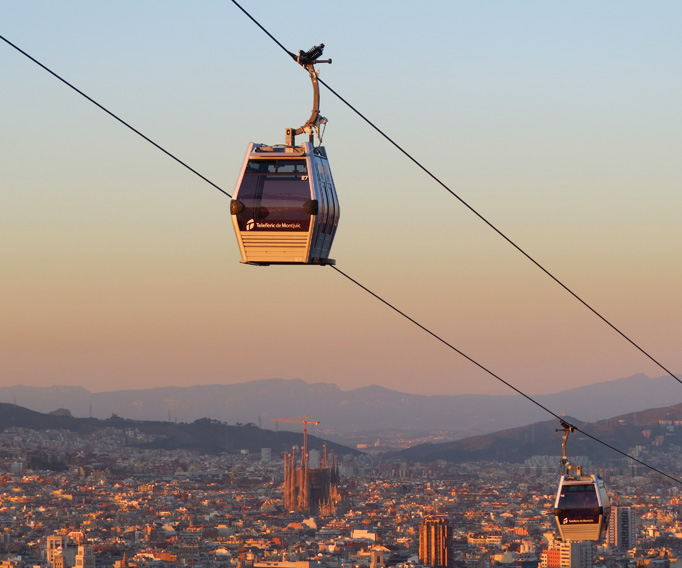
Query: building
(55,544)
(85,557)
(308,490)
(577,554)
(568,554)
(434,542)
(622,529)
(61,552)
(550,558)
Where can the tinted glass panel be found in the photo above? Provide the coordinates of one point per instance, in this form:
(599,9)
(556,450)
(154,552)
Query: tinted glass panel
(578,504)
(273,193)
(328,209)
(276,166)
(577,496)
(291,167)
(578,516)
(321,198)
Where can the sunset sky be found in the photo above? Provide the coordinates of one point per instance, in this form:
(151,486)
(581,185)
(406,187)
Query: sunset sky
(558,122)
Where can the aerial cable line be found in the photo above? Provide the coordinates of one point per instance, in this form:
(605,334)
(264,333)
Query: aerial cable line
(416,162)
(473,210)
(496,376)
(93,101)
(404,152)
(482,367)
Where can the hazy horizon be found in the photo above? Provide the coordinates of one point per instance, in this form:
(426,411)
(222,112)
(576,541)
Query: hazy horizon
(341,389)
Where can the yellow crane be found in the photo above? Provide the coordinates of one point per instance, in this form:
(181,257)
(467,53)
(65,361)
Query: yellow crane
(305,423)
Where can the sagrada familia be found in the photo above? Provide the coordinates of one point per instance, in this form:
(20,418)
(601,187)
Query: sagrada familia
(311,490)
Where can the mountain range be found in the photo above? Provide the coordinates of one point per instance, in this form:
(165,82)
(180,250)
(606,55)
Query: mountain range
(344,414)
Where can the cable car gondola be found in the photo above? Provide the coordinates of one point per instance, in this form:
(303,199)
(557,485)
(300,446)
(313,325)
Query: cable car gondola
(285,209)
(582,507)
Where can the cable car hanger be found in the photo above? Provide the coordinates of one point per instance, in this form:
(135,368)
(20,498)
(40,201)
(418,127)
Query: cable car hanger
(308,60)
(285,209)
(582,506)
(566,467)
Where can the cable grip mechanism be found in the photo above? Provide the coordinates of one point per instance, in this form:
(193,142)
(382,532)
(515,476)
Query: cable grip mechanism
(308,60)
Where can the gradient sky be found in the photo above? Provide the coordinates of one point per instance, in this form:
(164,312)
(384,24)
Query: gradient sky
(559,122)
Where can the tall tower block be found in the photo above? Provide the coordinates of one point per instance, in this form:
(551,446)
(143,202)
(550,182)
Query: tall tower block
(434,541)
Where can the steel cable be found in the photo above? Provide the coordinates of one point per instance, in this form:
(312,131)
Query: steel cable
(403,314)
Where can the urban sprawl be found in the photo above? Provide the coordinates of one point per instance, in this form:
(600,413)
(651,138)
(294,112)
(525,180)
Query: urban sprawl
(107,504)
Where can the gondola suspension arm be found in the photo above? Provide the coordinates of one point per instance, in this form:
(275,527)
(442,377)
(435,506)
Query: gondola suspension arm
(308,59)
(566,465)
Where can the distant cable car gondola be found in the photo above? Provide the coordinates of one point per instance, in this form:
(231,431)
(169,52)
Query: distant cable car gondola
(285,209)
(582,507)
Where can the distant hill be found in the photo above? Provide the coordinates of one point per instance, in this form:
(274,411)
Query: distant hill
(657,433)
(365,409)
(205,435)
(650,429)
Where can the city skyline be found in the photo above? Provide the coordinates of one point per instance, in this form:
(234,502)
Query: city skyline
(215,507)
(121,269)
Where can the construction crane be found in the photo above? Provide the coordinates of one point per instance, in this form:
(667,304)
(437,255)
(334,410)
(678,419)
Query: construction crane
(305,423)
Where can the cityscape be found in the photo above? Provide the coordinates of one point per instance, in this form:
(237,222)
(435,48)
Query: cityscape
(147,368)
(74,501)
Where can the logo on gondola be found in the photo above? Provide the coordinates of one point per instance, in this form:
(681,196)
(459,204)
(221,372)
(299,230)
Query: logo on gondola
(252,224)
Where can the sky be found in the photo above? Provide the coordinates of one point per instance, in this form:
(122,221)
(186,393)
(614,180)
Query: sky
(559,123)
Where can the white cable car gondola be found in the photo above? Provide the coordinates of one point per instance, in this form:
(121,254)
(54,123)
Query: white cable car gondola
(285,209)
(582,507)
